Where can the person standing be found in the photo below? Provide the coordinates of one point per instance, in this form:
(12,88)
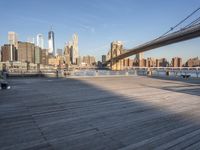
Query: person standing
(56,73)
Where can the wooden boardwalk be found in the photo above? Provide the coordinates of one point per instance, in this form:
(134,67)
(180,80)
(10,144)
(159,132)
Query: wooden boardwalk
(100,113)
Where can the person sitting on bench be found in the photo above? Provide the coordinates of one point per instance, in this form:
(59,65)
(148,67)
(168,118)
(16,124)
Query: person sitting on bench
(3,82)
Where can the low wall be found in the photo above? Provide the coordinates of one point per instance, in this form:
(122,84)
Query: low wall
(17,75)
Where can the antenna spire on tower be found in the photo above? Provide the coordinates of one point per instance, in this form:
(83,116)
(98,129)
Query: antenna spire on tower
(51,28)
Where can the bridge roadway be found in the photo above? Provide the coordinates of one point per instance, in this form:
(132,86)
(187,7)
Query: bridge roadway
(100,113)
(182,35)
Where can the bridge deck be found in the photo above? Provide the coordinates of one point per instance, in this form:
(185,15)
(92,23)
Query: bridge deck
(100,113)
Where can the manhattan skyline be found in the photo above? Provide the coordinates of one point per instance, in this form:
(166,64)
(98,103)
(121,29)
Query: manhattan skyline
(98,23)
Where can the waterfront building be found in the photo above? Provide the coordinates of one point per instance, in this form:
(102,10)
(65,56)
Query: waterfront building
(127,63)
(157,63)
(53,61)
(40,41)
(193,62)
(89,60)
(44,57)
(26,52)
(141,63)
(8,53)
(103,58)
(139,58)
(163,62)
(176,62)
(37,55)
(22,51)
(150,62)
(56,61)
(79,60)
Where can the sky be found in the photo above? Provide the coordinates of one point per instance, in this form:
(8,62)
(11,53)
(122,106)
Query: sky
(99,22)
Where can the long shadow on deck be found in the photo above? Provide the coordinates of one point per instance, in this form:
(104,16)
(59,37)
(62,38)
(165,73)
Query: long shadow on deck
(92,114)
(187,86)
(189,80)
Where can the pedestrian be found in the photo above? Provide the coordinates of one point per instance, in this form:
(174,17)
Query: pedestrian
(65,74)
(56,73)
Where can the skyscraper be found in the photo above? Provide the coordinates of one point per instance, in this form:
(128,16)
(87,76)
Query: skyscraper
(70,49)
(67,55)
(75,49)
(40,41)
(51,42)
(12,39)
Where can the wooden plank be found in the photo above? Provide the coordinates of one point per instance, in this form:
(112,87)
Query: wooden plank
(100,113)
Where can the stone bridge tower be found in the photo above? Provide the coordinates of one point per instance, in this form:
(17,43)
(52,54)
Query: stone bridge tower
(116,50)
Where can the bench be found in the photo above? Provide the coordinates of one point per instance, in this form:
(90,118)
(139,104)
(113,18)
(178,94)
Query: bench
(185,76)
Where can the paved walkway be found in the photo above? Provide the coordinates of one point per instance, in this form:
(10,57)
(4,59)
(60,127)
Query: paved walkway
(100,113)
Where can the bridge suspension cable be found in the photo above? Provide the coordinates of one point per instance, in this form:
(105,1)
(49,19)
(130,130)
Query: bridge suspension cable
(190,31)
(196,21)
(182,21)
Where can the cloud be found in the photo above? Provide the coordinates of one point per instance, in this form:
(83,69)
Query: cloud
(33,20)
(87,28)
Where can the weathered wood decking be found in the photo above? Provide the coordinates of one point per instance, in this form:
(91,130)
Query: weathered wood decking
(100,113)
